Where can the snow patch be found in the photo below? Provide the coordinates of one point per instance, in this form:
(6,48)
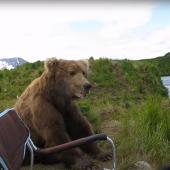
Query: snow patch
(5,65)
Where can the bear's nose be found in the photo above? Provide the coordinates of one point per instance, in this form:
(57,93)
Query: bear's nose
(87,86)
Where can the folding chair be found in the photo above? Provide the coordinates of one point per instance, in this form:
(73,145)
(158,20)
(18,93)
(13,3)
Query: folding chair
(15,137)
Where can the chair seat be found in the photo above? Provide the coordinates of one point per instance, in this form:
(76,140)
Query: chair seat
(13,138)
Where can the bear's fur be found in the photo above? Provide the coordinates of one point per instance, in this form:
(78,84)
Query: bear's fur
(48,108)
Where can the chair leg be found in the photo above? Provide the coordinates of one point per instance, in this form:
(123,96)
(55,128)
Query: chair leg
(32,155)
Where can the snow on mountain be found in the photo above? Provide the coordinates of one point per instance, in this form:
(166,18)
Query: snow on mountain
(5,65)
(11,63)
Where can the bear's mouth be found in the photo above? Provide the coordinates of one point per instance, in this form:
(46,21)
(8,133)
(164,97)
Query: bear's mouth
(80,94)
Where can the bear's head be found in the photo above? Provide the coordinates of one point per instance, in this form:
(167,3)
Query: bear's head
(72,73)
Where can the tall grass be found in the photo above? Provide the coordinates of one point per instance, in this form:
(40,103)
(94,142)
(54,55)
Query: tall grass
(145,133)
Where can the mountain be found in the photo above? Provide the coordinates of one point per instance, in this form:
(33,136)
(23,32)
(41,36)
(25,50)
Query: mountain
(11,63)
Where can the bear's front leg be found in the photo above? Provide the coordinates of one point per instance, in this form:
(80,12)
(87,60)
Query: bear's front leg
(78,126)
(71,158)
(53,131)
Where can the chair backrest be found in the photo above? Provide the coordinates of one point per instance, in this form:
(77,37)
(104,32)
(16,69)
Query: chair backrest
(13,138)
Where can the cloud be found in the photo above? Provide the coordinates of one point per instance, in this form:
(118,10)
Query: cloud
(109,29)
(146,45)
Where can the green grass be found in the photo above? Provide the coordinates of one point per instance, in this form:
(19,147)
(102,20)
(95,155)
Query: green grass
(13,82)
(102,73)
(147,131)
(162,64)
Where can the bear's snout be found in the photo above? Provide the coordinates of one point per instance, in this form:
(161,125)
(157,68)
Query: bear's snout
(87,87)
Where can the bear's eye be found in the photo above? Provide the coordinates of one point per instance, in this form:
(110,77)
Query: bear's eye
(72,73)
(84,73)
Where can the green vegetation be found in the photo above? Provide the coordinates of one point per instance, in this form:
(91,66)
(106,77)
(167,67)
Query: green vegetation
(134,109)
(13,82)
(147,132)
(162,64)
(128,102)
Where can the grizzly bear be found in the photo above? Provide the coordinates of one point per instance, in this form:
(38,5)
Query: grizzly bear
(49,109)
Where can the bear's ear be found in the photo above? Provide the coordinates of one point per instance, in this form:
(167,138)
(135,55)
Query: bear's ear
(85,63)
(51,64)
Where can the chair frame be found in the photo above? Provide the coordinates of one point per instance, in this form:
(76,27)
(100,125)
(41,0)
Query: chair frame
(59,148)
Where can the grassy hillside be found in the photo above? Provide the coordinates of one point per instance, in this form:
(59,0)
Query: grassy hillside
(128,102)
(13,82)
(162,63)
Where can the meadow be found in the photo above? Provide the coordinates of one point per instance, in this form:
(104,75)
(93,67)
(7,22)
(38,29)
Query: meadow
(128,102)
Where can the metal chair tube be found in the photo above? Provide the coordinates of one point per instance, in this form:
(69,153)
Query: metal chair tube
(69,145)
(32,155)
(113,152)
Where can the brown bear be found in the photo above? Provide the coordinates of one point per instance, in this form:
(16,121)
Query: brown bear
(49,109)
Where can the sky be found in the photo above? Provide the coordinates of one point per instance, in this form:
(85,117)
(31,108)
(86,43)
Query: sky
(36,31)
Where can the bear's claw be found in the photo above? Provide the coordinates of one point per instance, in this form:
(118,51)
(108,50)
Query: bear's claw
(85,165)
(103,156)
